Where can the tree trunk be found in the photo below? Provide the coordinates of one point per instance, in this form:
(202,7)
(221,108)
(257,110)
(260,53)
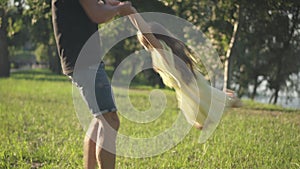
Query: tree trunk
(133,70)
(278,79)
(276,96)
(271,98)
(228,57)
(253,94)
(298,84)
(54,61)
(4,61)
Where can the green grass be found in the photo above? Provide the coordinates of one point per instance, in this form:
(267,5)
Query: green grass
(39,127)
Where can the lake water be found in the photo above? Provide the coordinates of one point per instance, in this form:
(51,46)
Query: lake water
(282,101)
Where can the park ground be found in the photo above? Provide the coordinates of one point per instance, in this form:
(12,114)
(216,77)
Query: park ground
(39,129)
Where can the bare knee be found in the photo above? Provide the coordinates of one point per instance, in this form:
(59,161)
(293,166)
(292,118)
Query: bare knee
(112,120)
(108,128)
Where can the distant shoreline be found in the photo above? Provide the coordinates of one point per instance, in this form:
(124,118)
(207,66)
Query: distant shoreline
(284,101)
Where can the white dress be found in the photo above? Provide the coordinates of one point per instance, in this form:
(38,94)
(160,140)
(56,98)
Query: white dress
(198,101)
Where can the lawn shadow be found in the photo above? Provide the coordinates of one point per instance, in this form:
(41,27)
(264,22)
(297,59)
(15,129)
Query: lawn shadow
(38,75)
(253,105)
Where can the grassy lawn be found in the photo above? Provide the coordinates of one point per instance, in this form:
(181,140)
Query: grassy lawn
(39,128)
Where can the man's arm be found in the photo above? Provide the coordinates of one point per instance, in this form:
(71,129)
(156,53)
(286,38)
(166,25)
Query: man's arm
(101,13)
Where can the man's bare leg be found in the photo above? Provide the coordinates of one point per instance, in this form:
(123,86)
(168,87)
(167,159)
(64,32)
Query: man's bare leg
(89,149)
(106,140)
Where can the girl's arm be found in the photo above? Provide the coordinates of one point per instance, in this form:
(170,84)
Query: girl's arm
(138,21)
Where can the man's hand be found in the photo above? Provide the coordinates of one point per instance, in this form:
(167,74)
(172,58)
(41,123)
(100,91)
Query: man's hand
(99,12)
(112,2)
(125,8)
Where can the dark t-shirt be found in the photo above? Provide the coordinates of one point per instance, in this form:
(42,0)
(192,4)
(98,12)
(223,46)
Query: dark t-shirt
(72,28)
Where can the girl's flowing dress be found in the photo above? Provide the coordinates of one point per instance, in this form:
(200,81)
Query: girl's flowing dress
(198,101)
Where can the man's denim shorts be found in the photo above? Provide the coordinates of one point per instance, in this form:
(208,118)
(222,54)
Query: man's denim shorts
(95,89)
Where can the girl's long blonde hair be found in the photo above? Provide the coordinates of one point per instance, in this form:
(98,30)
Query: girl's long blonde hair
(178,48)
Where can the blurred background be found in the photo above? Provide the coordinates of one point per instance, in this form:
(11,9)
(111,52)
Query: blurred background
(258,42)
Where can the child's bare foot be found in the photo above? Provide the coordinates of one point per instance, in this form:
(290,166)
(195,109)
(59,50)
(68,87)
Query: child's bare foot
(198,126)
(234,100)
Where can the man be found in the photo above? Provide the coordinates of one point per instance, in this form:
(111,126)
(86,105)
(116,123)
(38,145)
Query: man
(74,22)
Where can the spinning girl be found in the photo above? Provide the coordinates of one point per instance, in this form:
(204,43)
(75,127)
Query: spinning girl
(201,103)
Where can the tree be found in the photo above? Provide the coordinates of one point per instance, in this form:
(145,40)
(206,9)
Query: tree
(41,32)
(267,47)
(283,43)
(251,38)
(15,17)
(219,20)
(250,49)
(4,61)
